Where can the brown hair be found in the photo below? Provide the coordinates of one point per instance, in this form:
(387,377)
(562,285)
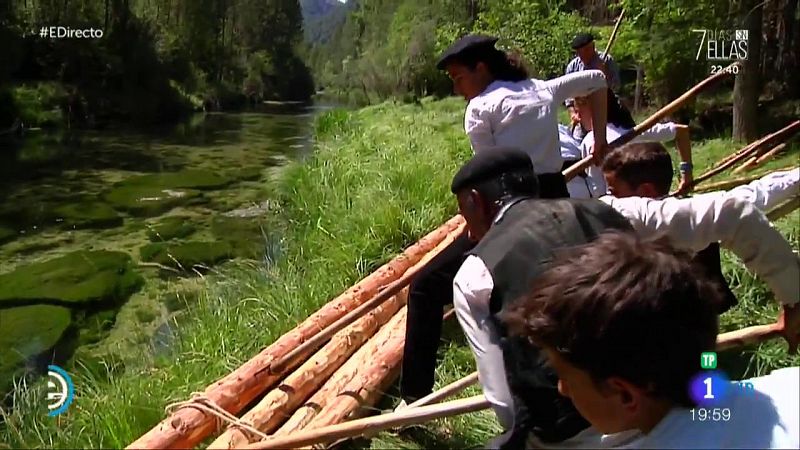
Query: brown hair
(623,307)
(638,163)
(503,66)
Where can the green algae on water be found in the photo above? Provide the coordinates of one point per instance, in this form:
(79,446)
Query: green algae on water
(76,278)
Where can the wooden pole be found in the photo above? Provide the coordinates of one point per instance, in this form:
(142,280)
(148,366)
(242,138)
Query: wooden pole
(751,162)
(613,36)
(748,336)
(581,165)
(784,209)
(280,402)
(447,391)
(779,136)
(370,425)
(187,427)
(385,294)
(769,155)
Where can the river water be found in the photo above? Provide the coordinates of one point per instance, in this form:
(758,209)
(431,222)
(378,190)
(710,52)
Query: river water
(104,235)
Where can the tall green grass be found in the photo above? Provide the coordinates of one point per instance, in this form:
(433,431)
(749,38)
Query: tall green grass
(377,181)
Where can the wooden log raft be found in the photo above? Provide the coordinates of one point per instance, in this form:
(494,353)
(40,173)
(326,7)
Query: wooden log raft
(279,403)
(187,427)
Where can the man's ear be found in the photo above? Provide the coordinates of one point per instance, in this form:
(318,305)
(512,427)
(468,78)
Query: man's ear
(630,395)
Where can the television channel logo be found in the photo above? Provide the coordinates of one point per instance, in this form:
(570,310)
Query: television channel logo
(711,387)
(60,390)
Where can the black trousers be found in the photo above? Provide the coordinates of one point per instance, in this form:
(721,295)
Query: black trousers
(429,292)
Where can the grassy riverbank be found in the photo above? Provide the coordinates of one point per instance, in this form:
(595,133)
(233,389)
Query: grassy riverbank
(378,180)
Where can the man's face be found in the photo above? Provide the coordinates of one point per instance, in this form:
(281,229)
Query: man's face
(586,53)
(610,407)
(620,188)
(475,212)
(468,83)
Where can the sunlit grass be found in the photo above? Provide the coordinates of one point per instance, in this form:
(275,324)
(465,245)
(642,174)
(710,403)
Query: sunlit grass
(378,180)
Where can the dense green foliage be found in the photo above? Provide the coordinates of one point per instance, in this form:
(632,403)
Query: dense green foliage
(387,48)
(154,62)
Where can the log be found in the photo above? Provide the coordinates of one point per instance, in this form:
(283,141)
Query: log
(378,365)
(748,336)
(784,209)
(581,165)
(384,294)
(279,403)
(303,415)
(727,184)
(753,161)
(187,427)
(770,154)
(771,139)
(371,425)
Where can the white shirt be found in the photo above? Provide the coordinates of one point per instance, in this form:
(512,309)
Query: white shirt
(524,115)
(691,224)
(769,417)
(660,132)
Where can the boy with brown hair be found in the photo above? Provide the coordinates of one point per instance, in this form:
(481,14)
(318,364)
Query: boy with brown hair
(645,170)
(623,322)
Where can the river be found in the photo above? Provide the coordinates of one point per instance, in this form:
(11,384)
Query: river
(106,235)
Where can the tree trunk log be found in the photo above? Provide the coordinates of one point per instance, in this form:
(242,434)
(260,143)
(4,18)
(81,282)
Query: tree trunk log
(188,426)
(345,380)
(279,403)
(747,87)
(378,365)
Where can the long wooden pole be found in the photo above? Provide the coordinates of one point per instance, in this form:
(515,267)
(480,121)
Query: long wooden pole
(369,425)
(187,427)
(613,36)
(387,293)
(581,165)
(447,391)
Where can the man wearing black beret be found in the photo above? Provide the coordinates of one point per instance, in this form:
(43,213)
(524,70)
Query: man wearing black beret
(587,58)
(517,235)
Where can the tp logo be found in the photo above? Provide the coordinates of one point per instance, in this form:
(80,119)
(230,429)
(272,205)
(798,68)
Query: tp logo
(61,391)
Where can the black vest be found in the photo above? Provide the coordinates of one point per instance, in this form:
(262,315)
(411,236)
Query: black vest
(617,113)
(708,260)
(516,249)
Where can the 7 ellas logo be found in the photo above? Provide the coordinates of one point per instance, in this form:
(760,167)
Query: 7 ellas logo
(60,390)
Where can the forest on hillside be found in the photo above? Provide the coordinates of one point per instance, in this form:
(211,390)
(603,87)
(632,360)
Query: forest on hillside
(157,59)
(388,48)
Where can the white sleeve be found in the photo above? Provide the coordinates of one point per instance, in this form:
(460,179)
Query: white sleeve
(660,132)
(576,84)
(770,190)
(472,289)
(737,224)
(478,125)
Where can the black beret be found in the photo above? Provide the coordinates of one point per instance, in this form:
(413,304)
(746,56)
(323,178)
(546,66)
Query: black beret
(582,39)
(465,43)
(490,163)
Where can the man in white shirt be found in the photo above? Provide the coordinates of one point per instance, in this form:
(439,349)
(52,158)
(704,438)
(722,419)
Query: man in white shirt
(624,323)
(691,224)
(661,132)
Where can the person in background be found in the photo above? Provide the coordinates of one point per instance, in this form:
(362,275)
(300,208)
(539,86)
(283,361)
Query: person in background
(623,322)
(588,58)
(517,236)
(661,132)
(505,108)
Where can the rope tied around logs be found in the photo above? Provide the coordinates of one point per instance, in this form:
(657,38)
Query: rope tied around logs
(200,401)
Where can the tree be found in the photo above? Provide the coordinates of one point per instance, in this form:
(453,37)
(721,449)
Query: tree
(747,87)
